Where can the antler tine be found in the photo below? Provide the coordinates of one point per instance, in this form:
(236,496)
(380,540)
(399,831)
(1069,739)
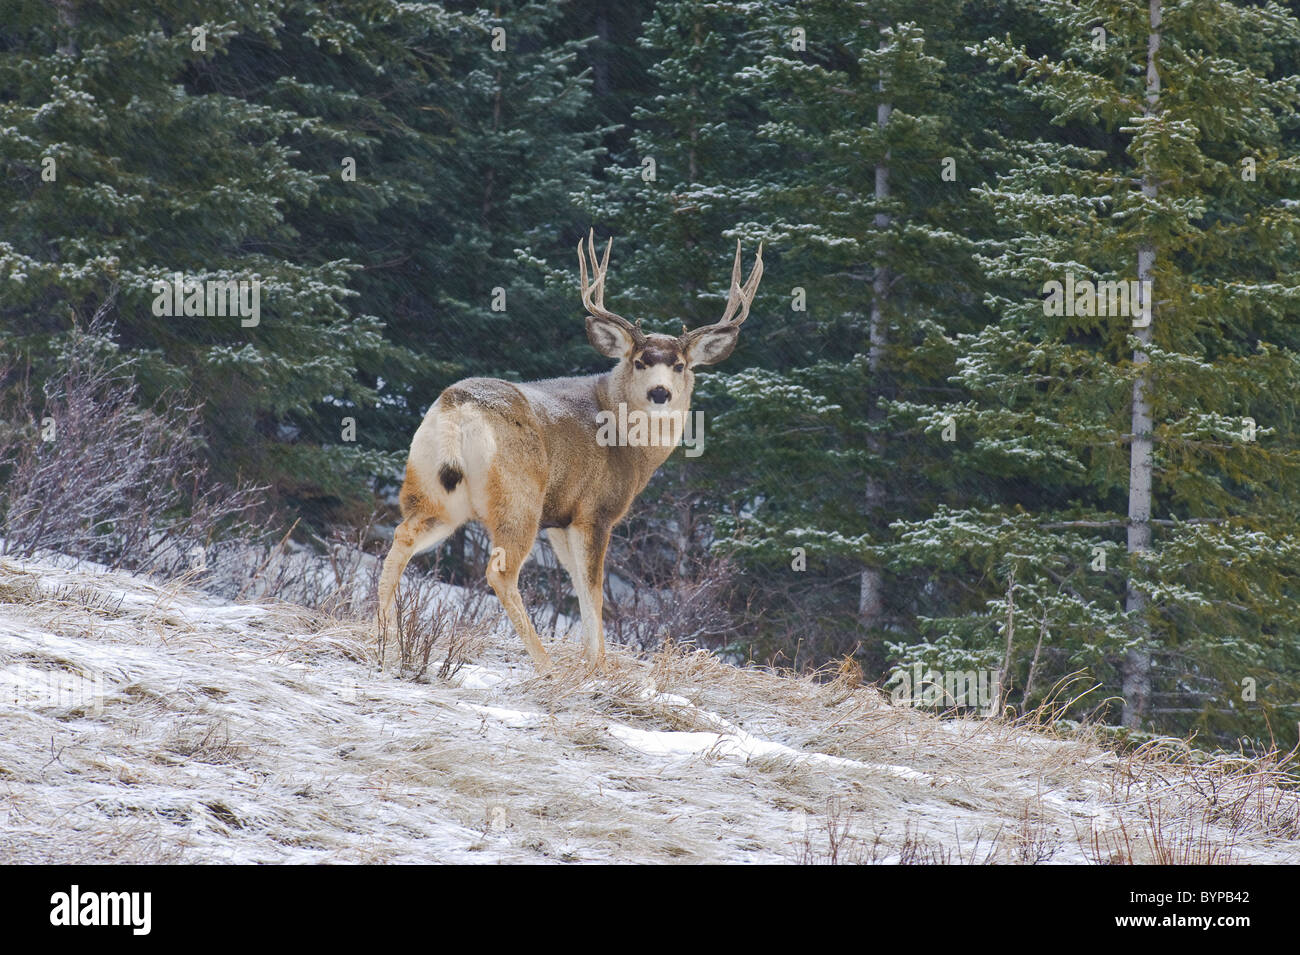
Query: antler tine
(604,261)
(597,292)
(735,286)
(581,269)
(739,299)
(597,276)
(599,268)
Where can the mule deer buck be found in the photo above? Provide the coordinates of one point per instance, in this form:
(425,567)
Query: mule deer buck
(521,457)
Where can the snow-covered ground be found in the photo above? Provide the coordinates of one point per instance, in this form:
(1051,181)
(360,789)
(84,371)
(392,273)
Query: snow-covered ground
(147,723)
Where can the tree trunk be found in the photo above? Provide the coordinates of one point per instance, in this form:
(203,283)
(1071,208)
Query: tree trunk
(692,165)
(871,598)
(1137,662)
(67,20)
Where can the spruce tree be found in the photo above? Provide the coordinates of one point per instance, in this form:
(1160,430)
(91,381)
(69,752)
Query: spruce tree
(1150,536)
(122,168)
(381,168)
(870,217)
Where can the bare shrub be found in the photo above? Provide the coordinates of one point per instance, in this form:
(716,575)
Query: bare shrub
(1160,838)
(1244,794)
(94,476)
(833,840)
(664,587)
(1113,846)
(1185,840)
(1195,808)
(426,618)
(354,568)
(1033,843)
(916,849)
(336,576)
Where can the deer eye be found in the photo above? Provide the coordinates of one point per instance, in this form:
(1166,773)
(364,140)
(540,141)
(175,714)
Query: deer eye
(678,367)
(640,365)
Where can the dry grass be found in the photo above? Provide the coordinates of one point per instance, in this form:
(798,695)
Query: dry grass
(247,733)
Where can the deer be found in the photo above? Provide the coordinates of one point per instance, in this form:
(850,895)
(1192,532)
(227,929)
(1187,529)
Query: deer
(523,457)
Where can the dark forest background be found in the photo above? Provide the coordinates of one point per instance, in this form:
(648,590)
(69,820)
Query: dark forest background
(908,459)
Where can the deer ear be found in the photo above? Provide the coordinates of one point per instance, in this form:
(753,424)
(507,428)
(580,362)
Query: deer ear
(712,345)
(608,339)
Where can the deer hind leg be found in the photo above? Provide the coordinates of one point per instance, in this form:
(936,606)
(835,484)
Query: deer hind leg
(412,536)
(586,553)
(513,533)
(427,523)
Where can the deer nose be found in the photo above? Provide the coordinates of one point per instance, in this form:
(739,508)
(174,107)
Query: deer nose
(659,394)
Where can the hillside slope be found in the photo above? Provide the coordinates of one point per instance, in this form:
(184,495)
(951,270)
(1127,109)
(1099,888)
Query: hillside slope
(141,723)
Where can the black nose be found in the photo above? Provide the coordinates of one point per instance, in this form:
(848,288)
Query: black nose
(659,394)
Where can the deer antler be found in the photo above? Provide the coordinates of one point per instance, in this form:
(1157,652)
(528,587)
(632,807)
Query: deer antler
(740,298)
(593,295)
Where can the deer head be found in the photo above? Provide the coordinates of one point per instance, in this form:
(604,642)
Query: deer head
(656,372)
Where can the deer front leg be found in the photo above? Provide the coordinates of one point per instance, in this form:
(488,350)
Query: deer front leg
(587,546)
(559,538)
